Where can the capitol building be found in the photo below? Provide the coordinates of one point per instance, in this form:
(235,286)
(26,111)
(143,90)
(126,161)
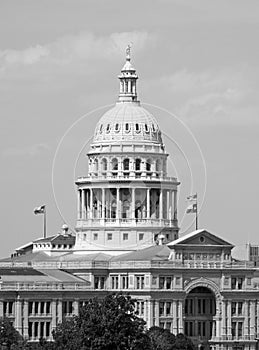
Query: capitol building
(127,239)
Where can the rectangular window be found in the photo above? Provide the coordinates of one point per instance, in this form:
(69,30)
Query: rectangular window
(47,329)
(141,236)
(115,282)
(36,329)
(168,308)
(125,282)
(140,282)
(240,307)
(233,308)
(168,282)
(42,307)
(109,236)
(30,330)
(30,307)
(240,329)
(95,236)
(161,308)
(161,282)
(99,282)
(125,236)
(41,329)
(48,307)
(140,308)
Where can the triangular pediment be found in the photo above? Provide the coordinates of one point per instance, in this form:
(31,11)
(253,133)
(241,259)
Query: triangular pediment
(200,237)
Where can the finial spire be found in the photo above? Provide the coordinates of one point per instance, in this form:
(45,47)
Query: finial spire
(128,79)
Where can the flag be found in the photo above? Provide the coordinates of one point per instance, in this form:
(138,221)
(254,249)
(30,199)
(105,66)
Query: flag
(39,210)
(193,197)
(191,208)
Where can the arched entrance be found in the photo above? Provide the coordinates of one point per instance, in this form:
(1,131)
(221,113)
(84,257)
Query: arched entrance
(199,312)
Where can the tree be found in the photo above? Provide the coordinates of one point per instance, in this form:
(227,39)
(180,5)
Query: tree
(9,336)
(107,324)
(183,343)
(163,339)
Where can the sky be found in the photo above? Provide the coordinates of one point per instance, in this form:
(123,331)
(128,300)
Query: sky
(198,70)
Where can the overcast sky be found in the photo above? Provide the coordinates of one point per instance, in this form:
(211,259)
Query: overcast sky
(59,60)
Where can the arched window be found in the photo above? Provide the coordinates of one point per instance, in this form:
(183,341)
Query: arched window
(113,209)
(117,127)
(146,128)
(127,127)
(101,128)
(126,209)
(126,164)
(96,165)
(115,164)
(137,164)
(148,165)
(104,164)
(108,128)
(137,127)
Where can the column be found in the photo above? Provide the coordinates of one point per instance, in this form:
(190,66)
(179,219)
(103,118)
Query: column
(91,203)
(117,202)
(246,326)
(161,204)
(175,205)
(170,205)
(156,313)
(1,308)
(148,203)
(150,314)
(129,86)
(133,203)
(180,315)
(252,319)
(174,317)
(25,319)
(18,315)
(76,307)
(59,315)
(224,326)
(83,205)
(54,314)
(103,203)
(78,204)
(229,320)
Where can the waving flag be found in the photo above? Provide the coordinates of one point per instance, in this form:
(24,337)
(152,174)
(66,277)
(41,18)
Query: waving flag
(39,210)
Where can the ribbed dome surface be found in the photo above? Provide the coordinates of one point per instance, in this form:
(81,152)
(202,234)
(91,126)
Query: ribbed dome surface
(127,121)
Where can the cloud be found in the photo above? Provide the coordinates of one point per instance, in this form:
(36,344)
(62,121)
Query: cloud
(73,48)
(29,56)
(226,94)
(27,151)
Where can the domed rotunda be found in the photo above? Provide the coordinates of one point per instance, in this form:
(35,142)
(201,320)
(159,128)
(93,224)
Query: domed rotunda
(127,202)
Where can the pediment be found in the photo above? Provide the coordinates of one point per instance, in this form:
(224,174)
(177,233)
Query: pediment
(202,238)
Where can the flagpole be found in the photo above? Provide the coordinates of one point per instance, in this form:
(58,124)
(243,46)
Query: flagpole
(196,218)
(45,222)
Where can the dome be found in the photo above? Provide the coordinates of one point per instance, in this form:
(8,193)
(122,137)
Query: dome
(127,121)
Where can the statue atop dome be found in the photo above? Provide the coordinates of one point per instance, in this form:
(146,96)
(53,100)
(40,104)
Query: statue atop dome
(128,49)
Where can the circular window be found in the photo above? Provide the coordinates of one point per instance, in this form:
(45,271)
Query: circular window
(202,239)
